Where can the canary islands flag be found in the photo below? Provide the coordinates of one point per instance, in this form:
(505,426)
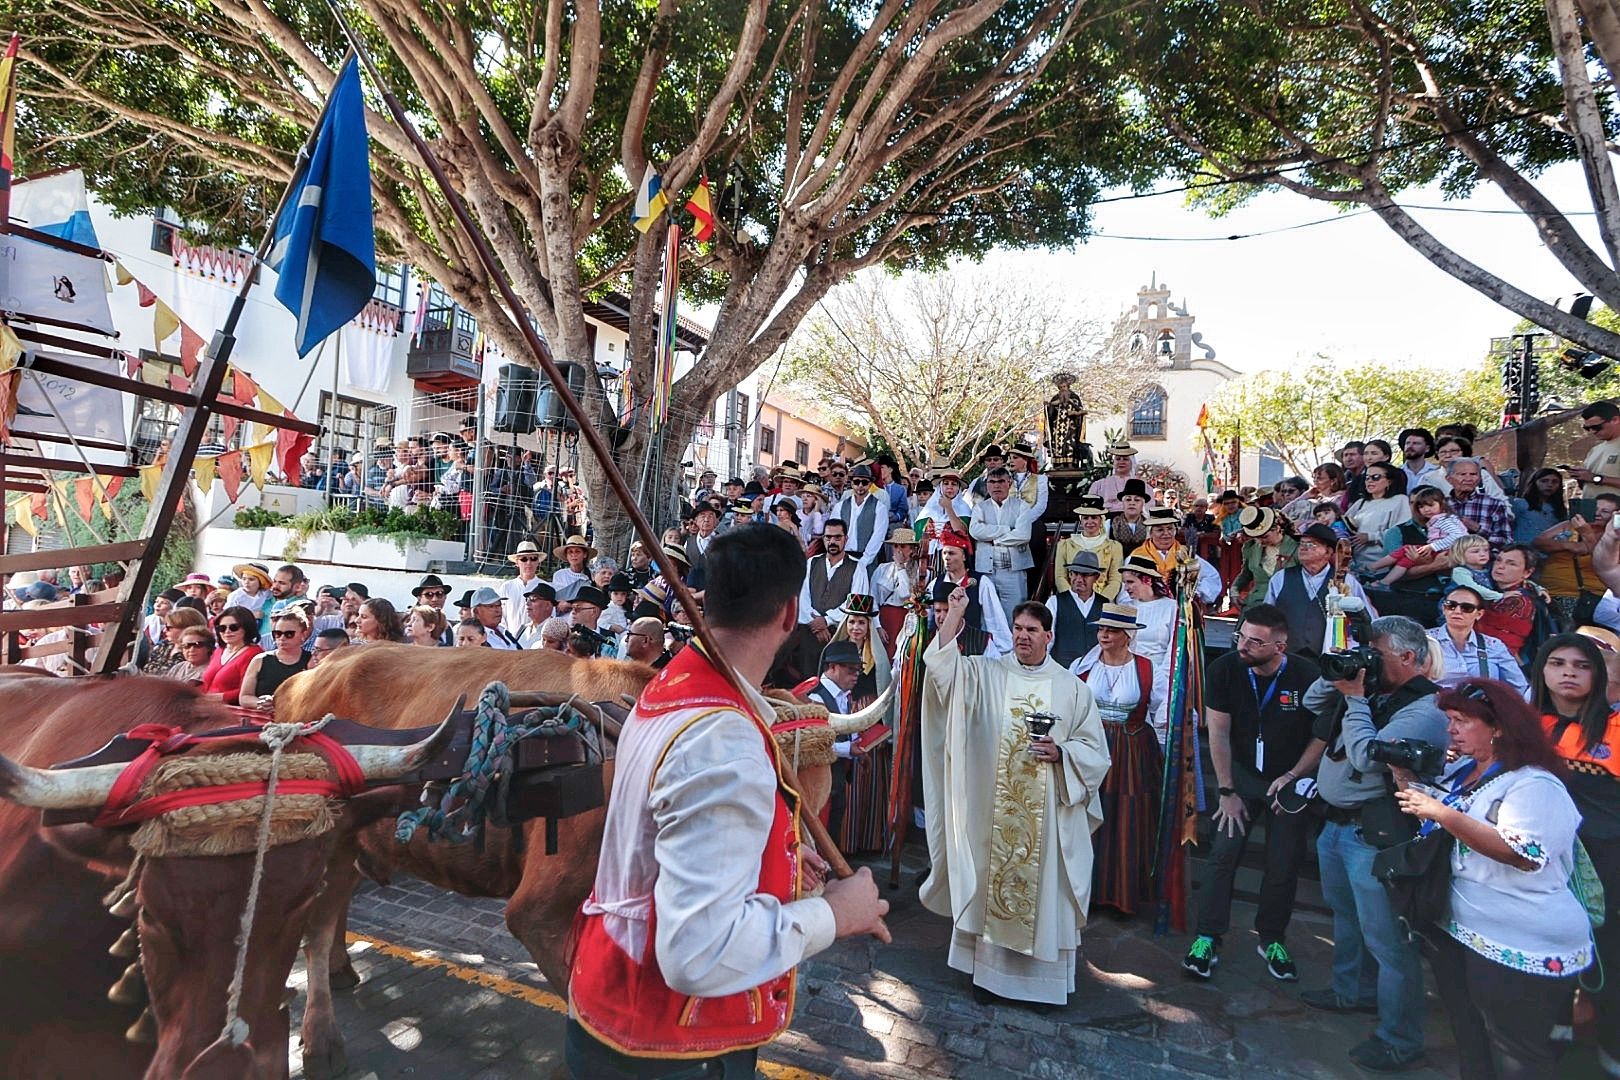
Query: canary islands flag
(324,251)
(650,199)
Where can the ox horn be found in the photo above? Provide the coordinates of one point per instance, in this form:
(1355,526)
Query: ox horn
(130,989)
(128,945)
(57,789)
(384,763)
(850,723)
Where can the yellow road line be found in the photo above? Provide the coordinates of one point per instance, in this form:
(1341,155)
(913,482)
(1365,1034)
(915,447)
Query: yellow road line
(529,995)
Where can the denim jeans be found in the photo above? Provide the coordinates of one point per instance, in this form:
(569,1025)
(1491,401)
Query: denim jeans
(1372,960)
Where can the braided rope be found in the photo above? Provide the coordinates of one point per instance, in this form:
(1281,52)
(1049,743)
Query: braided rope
(277,737)
(464,809)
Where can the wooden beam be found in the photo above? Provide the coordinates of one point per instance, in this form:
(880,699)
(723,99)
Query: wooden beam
(122,551)
(51,366)
(39,618)
(23,485)
(48,464)
(89,444)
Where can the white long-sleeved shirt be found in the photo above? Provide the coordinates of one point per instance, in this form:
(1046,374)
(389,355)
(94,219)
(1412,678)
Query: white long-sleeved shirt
(1001,529)
(934,510)
(514,607)
(847,510)
(691,849)
(892,584)
(858,584)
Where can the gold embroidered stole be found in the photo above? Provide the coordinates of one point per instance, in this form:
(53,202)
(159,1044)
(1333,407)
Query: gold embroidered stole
(1018,820)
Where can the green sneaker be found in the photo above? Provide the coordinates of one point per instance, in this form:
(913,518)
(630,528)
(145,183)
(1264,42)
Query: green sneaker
(1202,957)
(1278,962)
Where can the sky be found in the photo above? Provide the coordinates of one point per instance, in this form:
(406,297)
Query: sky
(1350,289)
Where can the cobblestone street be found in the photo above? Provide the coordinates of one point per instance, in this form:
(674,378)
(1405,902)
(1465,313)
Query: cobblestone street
(447,992)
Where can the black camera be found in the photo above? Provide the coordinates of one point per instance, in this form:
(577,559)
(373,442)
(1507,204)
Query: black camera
(1341,665)
(1416,756)
(679,631)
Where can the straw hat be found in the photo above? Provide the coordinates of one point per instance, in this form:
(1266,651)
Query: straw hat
(1121,449)
(903,534)
(1141,564)
(1089,506)
(529,547)
(1119,616)
(253,570)
(561,550)
(1257,520)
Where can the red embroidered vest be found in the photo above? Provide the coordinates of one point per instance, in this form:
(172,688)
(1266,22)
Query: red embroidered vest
(623,1000)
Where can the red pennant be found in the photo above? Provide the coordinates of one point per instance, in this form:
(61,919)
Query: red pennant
(112,487)
(291,446)
(36,504)
(191,347)
(134,364)
(148,297)
(243,388)
(179,382)
(230,473)
(84,495)
(230,424)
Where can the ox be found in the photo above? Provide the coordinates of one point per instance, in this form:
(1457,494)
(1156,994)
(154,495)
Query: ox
(388,686)
(60,950)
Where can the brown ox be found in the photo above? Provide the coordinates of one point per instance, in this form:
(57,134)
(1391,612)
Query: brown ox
(403,687)
(55,966)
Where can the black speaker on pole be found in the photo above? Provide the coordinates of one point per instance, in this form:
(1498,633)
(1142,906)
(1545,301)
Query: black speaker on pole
(549,411)
(515,399)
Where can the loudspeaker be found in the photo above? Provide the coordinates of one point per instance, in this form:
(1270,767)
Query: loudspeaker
(515,399)
(549,411)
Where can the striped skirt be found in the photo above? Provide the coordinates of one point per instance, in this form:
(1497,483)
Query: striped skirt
(1123,846)
(866,809)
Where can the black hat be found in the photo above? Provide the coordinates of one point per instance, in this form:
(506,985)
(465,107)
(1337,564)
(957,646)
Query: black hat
(469,422)
(754,489)
(688,512)
(1089,506)
(993,450)
(465,599)
(620,582)
(705,507)
(840,652)
(1134,486)
(431,581)
(590,594)
(861,472)
(359,590)
(1024,450)
(542,587)
(735,480)
(171,595)
(1322,534)
(943,587)
(646,609)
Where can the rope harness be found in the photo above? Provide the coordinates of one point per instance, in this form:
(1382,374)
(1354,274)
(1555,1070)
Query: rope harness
(477,796)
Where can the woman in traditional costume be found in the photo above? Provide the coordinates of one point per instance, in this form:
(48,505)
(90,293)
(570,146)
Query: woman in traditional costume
(866,809)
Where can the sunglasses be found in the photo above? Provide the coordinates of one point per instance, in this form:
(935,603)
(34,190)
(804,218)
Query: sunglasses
(434,594)
(227,627)
(522,558)
(278,634)
(1593,427)
(1459,605)
(194,645)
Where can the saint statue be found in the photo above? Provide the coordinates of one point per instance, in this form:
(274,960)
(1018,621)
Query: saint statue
(1066,426)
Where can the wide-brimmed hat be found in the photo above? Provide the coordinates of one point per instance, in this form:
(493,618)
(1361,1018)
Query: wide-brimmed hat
(840,652)
(753,489)
(1024,450)
(993,450)
(1089,506)
(858,604)
(529,547)
(197,578)
(861,472)
(1229,493)
(903,534)
(542,588)
(941,592)
(704,507)
(1120,449)
(940,469)
(620,582)
(1119,616)
(1084,562)
(1257,520)
(465,599)
(1159,515)
(742,506)
(1322,534)
(1135,486)
(433,581)
(678,553)
(590,594)
(561,550)
(485,597)
(253,570)
(1143,565)
(788,466)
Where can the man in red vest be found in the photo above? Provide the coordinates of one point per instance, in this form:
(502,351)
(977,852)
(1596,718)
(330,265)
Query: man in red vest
(685,951)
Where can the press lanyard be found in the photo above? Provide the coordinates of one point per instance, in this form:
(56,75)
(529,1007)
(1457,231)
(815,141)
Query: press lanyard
(1460,791)
(1260,704)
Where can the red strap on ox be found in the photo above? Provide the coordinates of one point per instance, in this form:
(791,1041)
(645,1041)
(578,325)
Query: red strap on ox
(122,807)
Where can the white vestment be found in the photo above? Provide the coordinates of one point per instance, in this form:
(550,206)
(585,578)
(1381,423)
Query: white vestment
(1009,835)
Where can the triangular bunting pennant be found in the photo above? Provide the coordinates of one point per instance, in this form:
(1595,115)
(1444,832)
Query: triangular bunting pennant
(23,514)
(84,496)
(243,388)
(147,296)
(150,474)
(111,488)
(191,348)
(154,375)
(229,424)
(270,405)
(58,500)
(36,505)
(179,382)
(164,322)
(291,446)
(123,276)
(11,349)
(260,454)
(133,365)
(202,471)
(230,473)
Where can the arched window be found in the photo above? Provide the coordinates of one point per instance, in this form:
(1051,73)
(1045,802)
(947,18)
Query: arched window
(1147,413)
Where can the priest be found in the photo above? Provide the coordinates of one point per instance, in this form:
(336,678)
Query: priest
(1011,841)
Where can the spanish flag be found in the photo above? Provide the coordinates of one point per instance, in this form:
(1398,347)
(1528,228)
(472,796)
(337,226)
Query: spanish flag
(701,207)
(8,123)
(650,199)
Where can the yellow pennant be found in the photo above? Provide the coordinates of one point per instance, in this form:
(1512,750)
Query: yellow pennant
(59,500)
(260,455)
(202,471)
(11,349)
(164,321)
(268,403)
(124,277)
(150,475)
(22,512)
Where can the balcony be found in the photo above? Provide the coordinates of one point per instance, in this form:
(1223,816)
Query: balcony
(443,357)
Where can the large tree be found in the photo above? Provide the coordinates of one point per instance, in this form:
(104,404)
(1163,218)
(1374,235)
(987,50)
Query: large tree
(848,134)
(1302,415)
(1355,101)
(943,364)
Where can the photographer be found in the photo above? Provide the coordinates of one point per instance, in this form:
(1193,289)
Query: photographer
(1386,700)
(1515,936)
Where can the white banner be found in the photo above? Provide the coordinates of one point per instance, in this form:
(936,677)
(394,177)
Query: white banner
(91,412)
(45,282)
